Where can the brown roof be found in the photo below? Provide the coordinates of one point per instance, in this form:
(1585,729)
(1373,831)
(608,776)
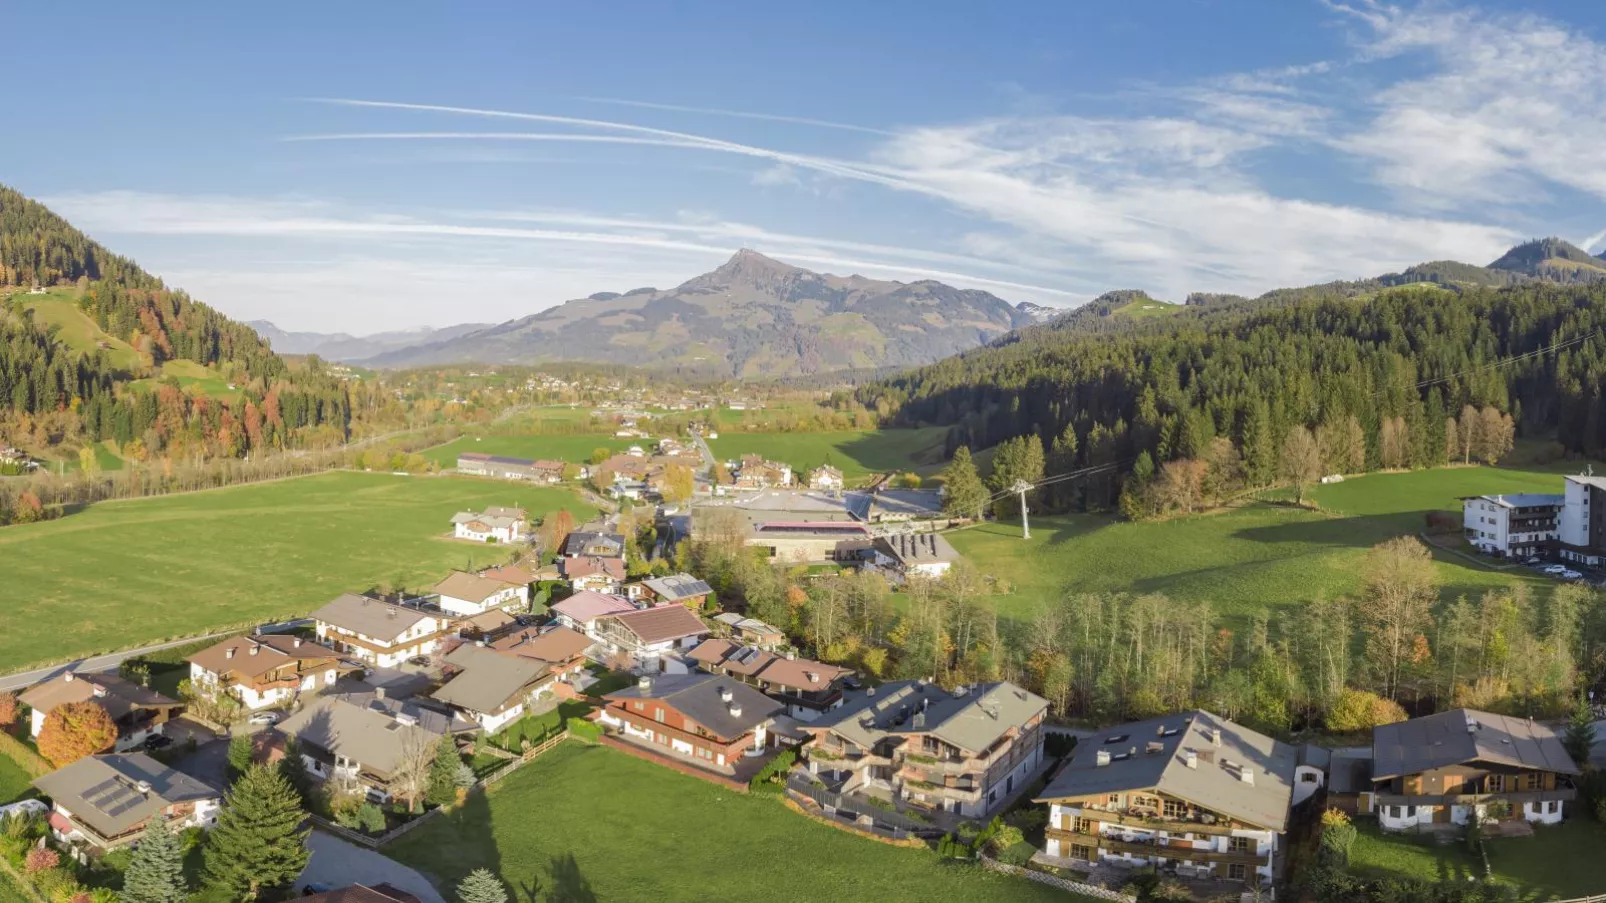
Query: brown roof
(558,645)
(801,673)
(487,621)
(370,617)
(713,651)
(272,651)
(586,566)
(471,587)
(116,695)
(666,622)
(509,573)
(379,893)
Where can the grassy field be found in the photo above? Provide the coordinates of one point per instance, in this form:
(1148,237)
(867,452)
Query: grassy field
(1555,863)
(9,893)
(574,449)
(75,329)
(14,781)
(190,375)
(1261,555)
(122,573)
(856,452)
(634,832)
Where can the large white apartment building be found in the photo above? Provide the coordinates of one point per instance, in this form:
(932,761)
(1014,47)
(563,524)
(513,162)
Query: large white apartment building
(1512,526)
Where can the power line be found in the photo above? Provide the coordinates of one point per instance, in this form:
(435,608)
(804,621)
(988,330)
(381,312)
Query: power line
(1525,356)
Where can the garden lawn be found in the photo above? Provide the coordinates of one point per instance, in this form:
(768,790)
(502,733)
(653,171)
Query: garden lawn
(1258,556)
(121,574)
(630,831)
(857,453)
(9,893)
(1556,863)
(14,781)
(573,449)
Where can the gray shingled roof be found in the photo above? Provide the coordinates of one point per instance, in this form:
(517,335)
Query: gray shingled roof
(489,679)
(973,721)
(698,697)
(370,735)
(678,586)
(103,791)
(1466,735)
(918,548)
(1349,773)
(1151,755)
(369,617)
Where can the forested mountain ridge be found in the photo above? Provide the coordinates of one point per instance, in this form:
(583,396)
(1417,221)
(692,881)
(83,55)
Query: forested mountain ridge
(751,317)
(1400,364)
(341,346)
(54,392)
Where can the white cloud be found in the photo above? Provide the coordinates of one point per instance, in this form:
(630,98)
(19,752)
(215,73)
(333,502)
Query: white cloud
(1510,107)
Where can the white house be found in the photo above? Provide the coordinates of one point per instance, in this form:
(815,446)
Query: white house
(137,711)
(825,477)
(466,595)
(106,801)
(266,670)
(496,524)
(651,635)
(918,554)
(1582,529)
(378,632)
(1512,526)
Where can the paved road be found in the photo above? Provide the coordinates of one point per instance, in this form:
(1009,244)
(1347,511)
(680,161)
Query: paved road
(708,455)
(337,863)
(110,661)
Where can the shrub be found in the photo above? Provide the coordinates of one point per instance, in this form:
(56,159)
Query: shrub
(74,730)
(8,709)
(371,818)
(1005,837)
(39,859)
(589,731)
(1017,854)
(772,776)
(1358,710)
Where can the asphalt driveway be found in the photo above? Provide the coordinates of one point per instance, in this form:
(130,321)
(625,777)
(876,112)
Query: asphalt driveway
(337,863)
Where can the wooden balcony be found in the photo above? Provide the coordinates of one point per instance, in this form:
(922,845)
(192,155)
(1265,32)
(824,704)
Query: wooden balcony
(1169,825)
(1173,849)
(1515,798)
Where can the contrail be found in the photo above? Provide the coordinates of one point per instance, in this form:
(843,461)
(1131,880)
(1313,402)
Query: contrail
(736,114)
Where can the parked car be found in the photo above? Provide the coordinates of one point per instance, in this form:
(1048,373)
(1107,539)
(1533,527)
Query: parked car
(419,660)
(1534,560)
(1571,575)
(1556,569)
(158,741)
(266,718)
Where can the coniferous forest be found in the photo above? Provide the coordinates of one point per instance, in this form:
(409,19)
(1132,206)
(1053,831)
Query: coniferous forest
(1385,381)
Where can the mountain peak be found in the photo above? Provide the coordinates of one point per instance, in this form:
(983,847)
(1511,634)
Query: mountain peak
(748,260)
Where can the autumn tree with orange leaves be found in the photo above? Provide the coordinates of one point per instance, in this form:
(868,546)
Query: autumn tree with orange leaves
(74,730)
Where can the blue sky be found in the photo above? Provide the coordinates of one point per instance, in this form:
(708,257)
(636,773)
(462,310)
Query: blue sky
(366,166)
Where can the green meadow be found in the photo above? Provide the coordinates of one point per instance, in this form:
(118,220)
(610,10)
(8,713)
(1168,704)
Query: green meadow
(573,449)
(857,453)
(1257,556)
(120,574)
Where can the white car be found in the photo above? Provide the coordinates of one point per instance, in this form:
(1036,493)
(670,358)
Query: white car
(1571,575)
(265,718)
(1556,569)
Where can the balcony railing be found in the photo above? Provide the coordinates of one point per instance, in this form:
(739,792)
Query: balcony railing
(1172,848)
(1559,795)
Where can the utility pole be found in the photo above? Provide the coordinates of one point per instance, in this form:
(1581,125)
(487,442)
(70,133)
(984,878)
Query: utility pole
(1023,487)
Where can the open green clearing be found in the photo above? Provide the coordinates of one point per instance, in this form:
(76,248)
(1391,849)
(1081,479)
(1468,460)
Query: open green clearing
(1556,862)
(190,376)
(75,329)
(119,574)
(14,781)
(573,449)
(856,453)
(1245,559)
(588,816)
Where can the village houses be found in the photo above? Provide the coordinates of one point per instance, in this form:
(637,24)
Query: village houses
(137,711)
(378,632)
(807,688)
(369,740)
(650,637)
(595,573)
(826,478)
(463,594)
(104,802)
(266,670)
(706,720)
(494,524)
(1190,793)
(683,589)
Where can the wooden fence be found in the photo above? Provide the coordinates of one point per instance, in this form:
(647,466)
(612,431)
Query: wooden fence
(525,758)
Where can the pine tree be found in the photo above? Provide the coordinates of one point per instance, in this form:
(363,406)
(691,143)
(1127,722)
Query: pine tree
(258,844)
(1017,460)
(156,872)
(1579,736)
(966,494)
(239,756)
(1061,460)
(442,787)
(294,770)
(482,887)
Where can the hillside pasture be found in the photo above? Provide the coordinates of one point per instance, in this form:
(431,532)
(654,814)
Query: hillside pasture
(74,329)
(119,574)
(857,453)
(191,377)
(1260,556)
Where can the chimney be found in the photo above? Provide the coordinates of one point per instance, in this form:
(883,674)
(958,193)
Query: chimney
(1246,774)
(295,643)
(68,677)
(227,653)
(736,710)
(144,787)
(379,692)
(99,691)
(1101,758)
(255,649)
(1190,759)
(644,684)
(1215,736)
(1472,725)
(725,694)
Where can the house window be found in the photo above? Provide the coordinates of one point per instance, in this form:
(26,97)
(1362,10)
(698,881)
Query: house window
(1237,871)
(1082,852)
(1084,826)
(1309,777)
(657,714)
(1239,845)
(1396,812)
(1114,799)
(1533,780)
(1175,809)
(1552,807)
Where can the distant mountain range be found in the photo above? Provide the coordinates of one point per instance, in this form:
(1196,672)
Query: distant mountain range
(340,346)
(752,317)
